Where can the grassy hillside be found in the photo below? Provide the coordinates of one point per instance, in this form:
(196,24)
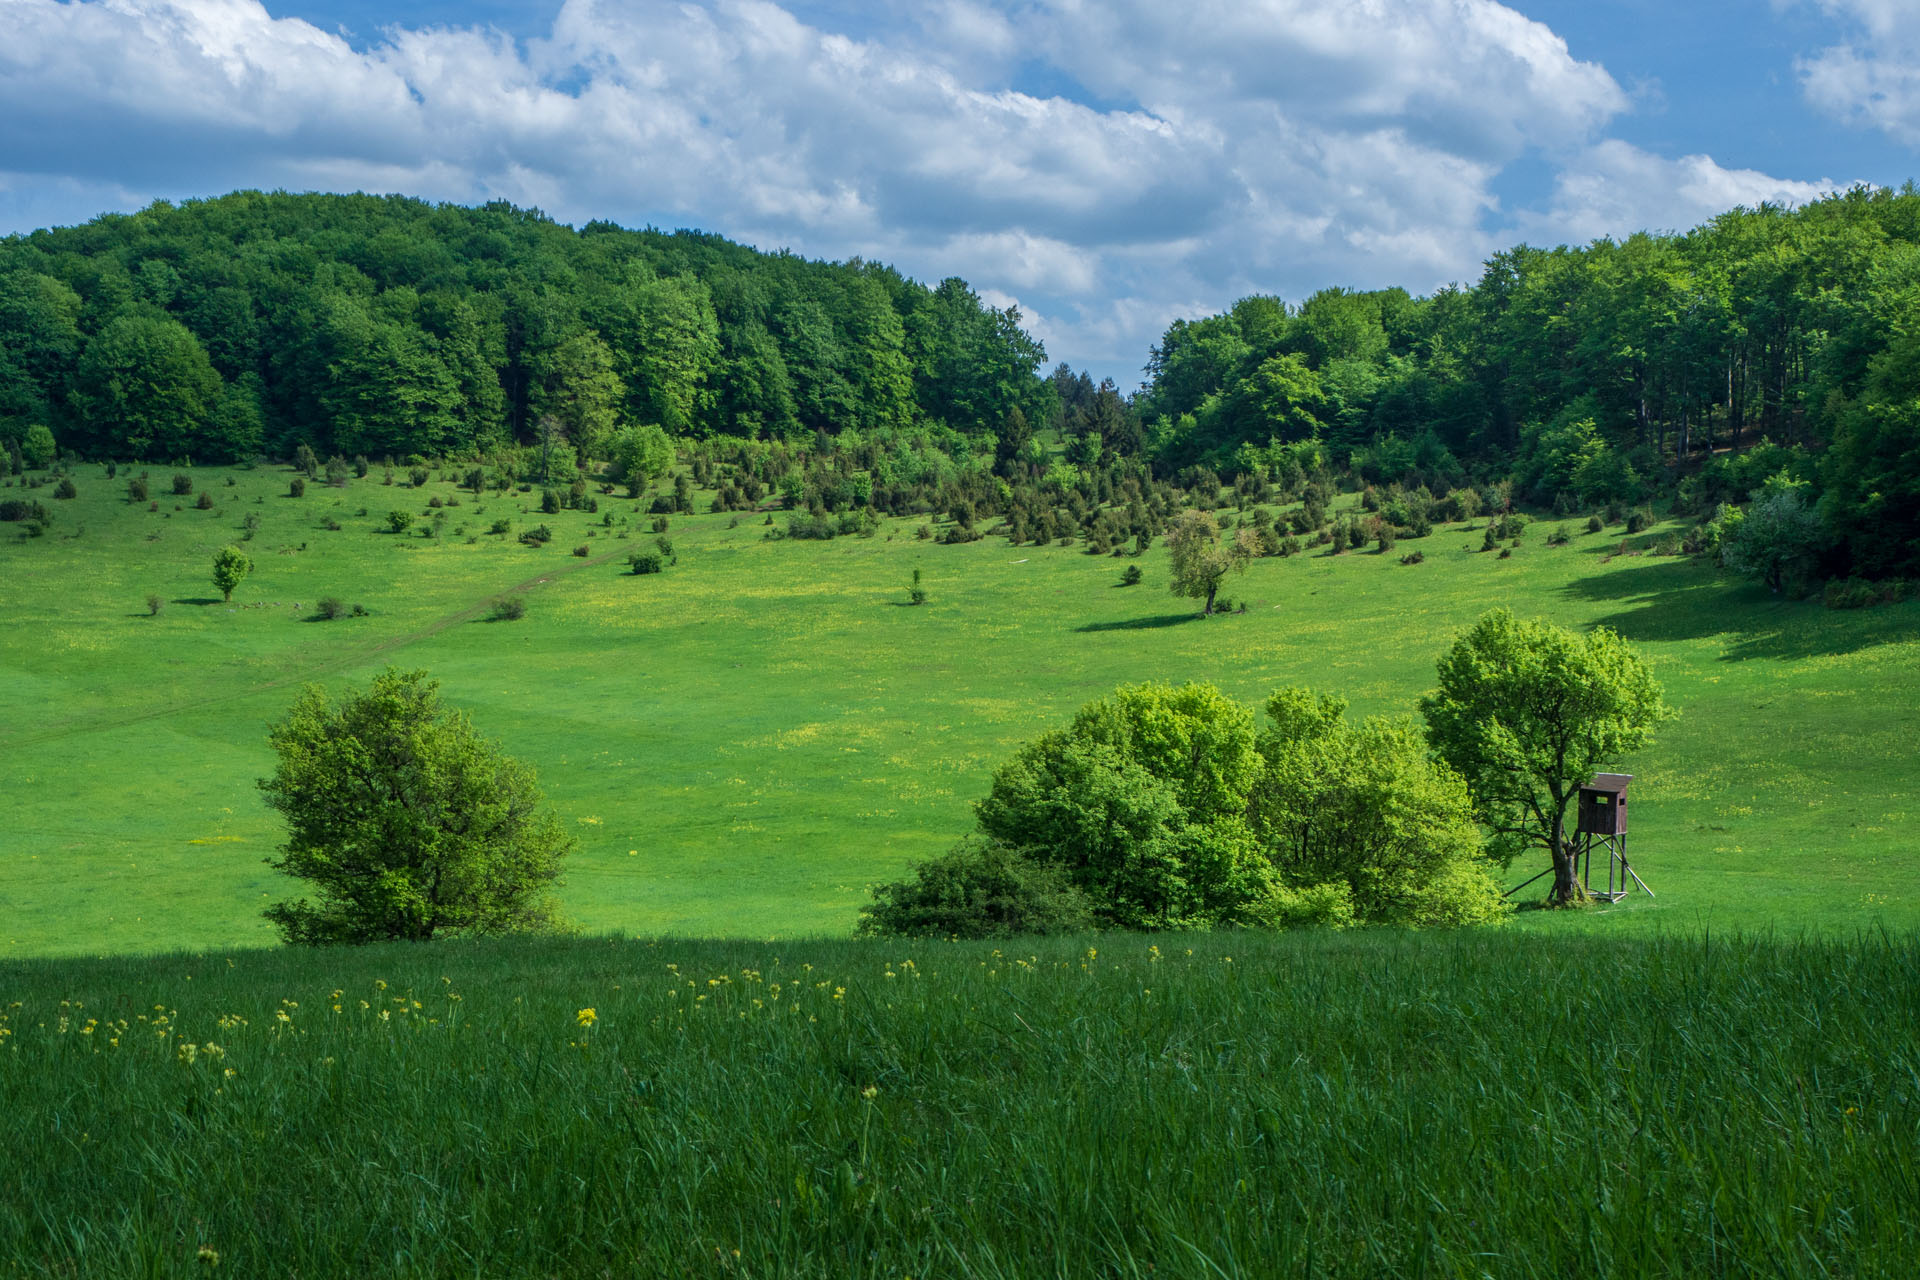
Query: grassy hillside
(1220,1106)
(746,741)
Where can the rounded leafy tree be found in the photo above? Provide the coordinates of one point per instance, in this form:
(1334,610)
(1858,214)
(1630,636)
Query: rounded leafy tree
(406,821)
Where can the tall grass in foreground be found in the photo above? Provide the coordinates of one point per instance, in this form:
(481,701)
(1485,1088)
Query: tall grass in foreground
(1495,1104)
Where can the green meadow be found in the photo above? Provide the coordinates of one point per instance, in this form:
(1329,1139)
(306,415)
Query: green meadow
(1480,1103)
(744,743)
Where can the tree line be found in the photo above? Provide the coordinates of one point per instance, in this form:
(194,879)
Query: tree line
(385,326)
(1766,357)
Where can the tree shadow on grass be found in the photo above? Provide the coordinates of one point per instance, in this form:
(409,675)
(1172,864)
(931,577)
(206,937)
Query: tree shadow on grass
(1142,624)
(1681,600)
(199,600)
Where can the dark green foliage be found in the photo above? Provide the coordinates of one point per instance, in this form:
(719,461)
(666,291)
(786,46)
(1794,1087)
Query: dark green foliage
(182,484)
(15,510)
(538,536)
(389,326)
(647,562)
(1413,557)
(1131,576)
(331,608)
(399,521)
(982,889)
(508,609)
(405,821)
(65,489)
(205,502)
(154,605)
(297,487)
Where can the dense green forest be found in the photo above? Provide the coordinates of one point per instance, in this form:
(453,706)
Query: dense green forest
(1574,379)
(387,326)
(1592,375)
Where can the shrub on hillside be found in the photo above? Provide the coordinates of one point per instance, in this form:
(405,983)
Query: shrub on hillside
(137,489)
(406,822)
(980,889)
(644,562)
(182,483)
(205,502)
(508,609)
(297,487)
(14,510)
(65,488)
(538,536)
(331,607)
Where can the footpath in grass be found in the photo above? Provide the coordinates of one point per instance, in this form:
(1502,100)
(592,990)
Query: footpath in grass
(748,740)
(1224,1105)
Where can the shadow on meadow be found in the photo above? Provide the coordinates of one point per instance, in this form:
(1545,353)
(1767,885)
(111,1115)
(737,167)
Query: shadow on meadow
(1680,600)
(1153,623)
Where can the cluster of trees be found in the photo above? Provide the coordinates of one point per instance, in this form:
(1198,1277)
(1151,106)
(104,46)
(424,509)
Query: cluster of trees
(1162,807)
(1589,375)
(254,322)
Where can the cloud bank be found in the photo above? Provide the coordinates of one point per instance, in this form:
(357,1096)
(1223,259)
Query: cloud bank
(1108,164)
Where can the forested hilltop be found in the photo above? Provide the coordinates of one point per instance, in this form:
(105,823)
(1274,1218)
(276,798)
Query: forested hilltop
(387,326)
(1595,375)
(1575,379)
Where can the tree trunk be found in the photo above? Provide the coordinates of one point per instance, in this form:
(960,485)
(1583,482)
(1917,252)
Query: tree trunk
(1212,590)
(1566,890)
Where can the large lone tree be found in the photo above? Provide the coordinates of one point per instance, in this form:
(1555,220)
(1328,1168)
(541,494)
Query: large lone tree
(407,822)
(1527,712)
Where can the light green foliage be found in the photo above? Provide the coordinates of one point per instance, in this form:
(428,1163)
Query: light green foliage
(37,447)
(1527,712)
(638,456)
(1780,538)
(230,566)
(1143,800)
(581,393)
(399,521)
(1362,812)
(1199,562)
(408,824)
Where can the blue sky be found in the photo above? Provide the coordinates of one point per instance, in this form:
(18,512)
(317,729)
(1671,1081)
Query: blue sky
(1107,165)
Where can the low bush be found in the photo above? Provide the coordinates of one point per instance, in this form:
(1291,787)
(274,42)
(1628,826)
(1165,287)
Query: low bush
(331,607)
(538,536)
(980,889)
(1413,557)
(1131,577)
(1860,593)
(182,483)
(65,488)
(137,489)
(583,550)
(205,503)
(297,487)
(646,562)
(508,609)
(14,510)
(154,605)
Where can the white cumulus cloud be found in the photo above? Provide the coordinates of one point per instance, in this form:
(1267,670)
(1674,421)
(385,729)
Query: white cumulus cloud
(1872,79)
(1109,164)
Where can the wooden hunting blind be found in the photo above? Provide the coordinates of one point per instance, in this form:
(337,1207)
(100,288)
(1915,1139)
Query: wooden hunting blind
(1600,821)
(1603,805)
